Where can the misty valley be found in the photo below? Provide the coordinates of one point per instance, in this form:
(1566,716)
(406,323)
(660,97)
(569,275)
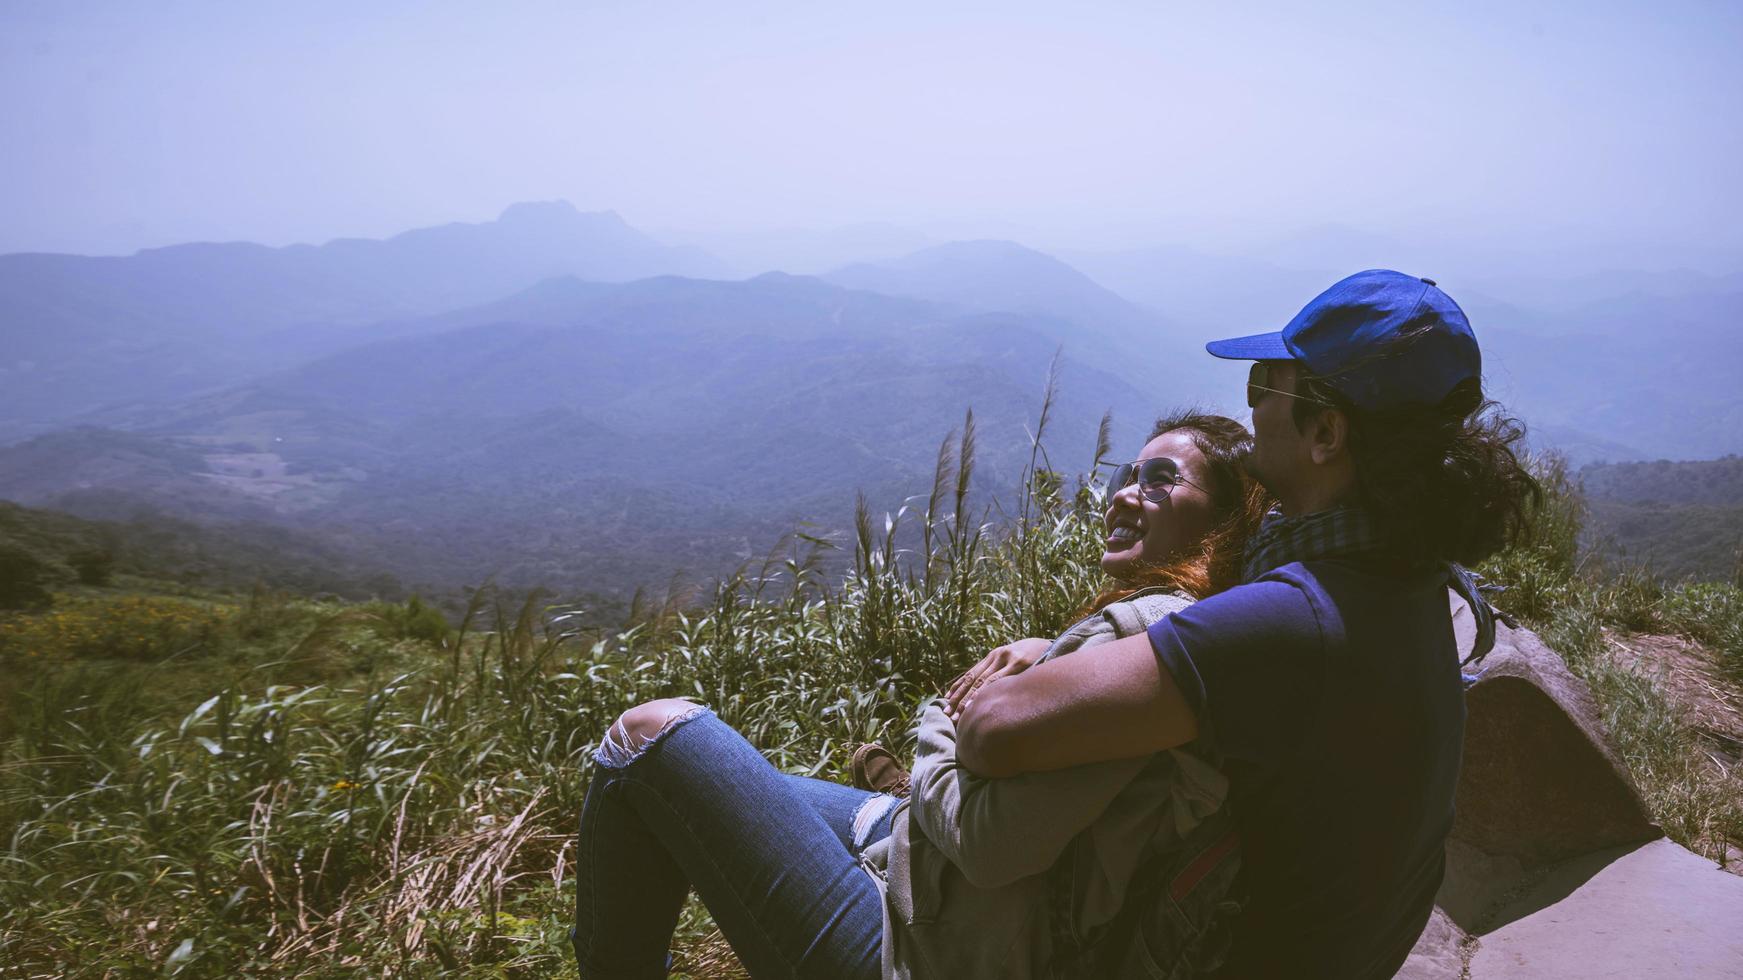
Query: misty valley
(554,399)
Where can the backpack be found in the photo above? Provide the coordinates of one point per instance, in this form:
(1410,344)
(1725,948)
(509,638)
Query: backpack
(1175,922)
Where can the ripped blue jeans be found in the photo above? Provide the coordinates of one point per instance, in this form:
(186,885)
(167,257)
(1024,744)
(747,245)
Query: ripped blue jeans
(773,857)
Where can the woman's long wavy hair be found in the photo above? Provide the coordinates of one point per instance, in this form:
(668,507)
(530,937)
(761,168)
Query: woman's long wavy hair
(1238,504)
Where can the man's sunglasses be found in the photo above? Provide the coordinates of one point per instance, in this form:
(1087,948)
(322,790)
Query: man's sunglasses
(1259,379)
(1156,478)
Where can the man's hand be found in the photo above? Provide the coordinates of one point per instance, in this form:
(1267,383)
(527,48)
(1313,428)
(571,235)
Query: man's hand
(1012,658)
(1116,703)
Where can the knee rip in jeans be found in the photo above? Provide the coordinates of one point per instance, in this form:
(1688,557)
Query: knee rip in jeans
(865,819)
(620,746)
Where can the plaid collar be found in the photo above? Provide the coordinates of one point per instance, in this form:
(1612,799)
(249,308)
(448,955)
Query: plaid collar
(1344,531)
(1326,534)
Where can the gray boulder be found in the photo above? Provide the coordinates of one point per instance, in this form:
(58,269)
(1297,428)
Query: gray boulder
(1554,866)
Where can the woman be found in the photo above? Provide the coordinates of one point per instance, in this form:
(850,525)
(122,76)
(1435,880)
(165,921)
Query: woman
(811,878)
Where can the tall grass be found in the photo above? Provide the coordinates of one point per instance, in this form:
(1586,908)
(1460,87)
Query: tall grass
(1579,607)
(411,815)
(360,790)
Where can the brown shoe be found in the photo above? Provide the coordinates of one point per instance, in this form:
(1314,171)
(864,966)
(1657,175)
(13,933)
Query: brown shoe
(874,768)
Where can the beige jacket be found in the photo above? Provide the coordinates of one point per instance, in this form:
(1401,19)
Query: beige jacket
(962,873)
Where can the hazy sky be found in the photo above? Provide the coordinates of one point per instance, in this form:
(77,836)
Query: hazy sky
(1539,126)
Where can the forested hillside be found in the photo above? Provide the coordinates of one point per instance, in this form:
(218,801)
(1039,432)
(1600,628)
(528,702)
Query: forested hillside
(595,437)
(43,551)
(1680,519)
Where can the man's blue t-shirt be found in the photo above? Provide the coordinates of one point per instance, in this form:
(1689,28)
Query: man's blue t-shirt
(1333,689)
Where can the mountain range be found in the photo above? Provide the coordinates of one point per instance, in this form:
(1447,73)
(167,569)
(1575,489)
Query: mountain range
(579,431)
(555,398)
(79,332)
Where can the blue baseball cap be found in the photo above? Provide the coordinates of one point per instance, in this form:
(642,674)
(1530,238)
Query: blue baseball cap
(1381,338)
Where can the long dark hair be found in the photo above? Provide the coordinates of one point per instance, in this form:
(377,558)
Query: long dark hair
(1237,501)
(1442,482)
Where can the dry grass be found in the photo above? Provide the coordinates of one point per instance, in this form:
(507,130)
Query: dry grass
(408,812)
(405,806)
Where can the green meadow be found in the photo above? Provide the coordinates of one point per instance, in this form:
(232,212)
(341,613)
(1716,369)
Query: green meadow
(195,783)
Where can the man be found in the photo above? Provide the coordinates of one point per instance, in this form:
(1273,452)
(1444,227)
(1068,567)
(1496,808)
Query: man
(1329,679)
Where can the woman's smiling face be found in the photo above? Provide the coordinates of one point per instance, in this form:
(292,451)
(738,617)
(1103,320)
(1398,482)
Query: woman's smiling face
(1145,534)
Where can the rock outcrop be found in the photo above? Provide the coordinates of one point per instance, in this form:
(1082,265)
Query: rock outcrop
(1554,867)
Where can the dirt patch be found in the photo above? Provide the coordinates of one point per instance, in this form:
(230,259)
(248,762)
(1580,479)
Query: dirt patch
(259,466)
(267,479)
(1689,675)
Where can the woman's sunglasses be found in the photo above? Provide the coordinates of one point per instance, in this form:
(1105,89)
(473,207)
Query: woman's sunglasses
(1259,379)
(1156,478)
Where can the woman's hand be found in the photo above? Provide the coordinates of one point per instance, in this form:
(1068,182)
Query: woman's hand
(1012,658)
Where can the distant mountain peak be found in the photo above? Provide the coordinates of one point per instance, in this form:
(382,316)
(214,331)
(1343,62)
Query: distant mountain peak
(982,249)
(559,213)
(982,245)
(536,209)
(1006,277)
(988,274)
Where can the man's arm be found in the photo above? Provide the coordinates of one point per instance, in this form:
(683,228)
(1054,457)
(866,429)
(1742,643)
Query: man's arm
(1117,704)
(999,830)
